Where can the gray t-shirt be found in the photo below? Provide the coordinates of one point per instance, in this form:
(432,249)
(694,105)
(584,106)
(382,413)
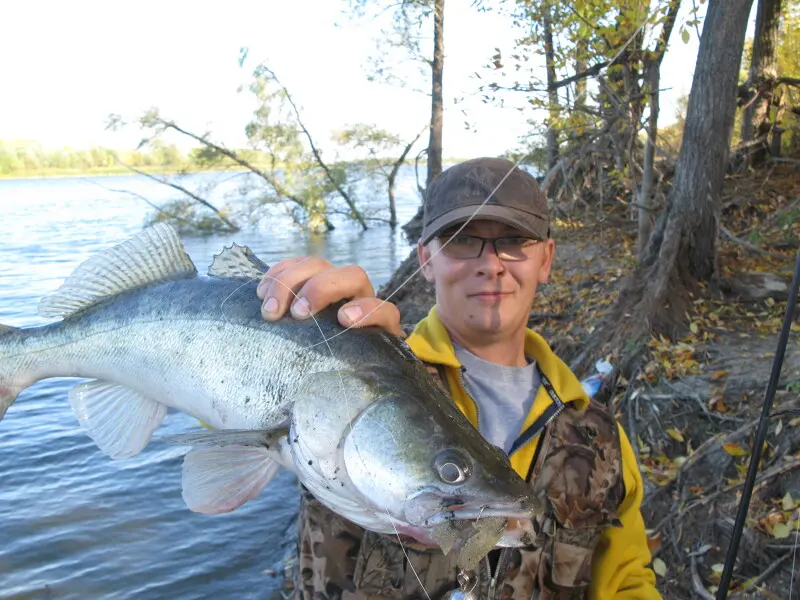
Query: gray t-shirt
(504,396)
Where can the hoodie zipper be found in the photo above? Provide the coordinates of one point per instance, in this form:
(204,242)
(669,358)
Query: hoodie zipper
(496,578)
(505,553)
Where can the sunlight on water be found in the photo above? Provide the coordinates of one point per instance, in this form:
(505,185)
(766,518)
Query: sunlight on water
(75,524)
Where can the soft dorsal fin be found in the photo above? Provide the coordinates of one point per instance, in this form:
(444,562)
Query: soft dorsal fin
(237,262)
(153,256)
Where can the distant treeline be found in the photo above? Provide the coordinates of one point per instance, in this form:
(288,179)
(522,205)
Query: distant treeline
(29,158)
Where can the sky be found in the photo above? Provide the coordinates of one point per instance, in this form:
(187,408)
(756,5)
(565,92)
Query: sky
(68,65)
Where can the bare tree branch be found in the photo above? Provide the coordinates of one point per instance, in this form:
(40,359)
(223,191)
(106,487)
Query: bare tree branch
(232,227)
(356,214)
(272,181)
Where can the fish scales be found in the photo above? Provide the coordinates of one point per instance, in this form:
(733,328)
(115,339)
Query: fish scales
(356,417)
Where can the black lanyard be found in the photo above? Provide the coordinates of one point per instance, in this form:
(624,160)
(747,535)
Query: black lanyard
(539,424)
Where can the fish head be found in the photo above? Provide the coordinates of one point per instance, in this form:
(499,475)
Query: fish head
(421,462)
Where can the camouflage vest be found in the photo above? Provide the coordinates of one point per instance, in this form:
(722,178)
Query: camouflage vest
(576,471)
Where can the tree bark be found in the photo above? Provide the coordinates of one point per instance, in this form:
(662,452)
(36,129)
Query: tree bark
(552,91)
(645,201)
(392,177)
(437,103)
(580,67)
(762,77)
(681,252)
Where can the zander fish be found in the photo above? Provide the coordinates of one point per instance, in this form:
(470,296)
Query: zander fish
(356,417)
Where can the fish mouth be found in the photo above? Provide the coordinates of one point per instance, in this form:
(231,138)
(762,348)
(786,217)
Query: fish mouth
(477,513)
(430,509)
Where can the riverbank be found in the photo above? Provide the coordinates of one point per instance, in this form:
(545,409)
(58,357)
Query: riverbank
(57,173)
(108,172)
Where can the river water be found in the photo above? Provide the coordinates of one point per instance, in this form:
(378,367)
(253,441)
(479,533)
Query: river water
(76,524)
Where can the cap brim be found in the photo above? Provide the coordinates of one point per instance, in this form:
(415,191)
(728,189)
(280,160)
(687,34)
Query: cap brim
(527,222)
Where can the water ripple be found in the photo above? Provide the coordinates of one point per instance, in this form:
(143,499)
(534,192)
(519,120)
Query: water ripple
(75,524)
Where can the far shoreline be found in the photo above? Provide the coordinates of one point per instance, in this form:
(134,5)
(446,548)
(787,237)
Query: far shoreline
(56,173)
(103,172)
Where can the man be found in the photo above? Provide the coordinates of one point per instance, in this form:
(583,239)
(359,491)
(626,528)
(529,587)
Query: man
(508,382)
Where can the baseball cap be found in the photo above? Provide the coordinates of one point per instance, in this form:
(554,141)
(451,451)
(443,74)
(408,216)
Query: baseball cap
(457,192)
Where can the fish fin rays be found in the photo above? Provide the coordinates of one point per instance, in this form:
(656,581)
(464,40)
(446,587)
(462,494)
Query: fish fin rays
(8,393)
(219,479)
(237,262)
(259,438)
(9,387)
(154,255)
(119,420)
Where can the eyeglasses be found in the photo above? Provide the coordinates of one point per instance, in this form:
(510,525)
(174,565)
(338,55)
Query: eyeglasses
(464,247)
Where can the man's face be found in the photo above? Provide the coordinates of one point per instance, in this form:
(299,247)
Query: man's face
(486,296)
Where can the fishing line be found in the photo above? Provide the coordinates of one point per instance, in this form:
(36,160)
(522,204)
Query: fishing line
(228,297)
(478,209)
(441,247)
(391,519)
(794,550)
(760,437)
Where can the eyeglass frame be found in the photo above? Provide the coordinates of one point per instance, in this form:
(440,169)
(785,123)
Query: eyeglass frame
(492,240)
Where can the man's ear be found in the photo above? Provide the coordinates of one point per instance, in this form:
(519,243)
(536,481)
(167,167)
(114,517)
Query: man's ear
(547,261)
(424,256)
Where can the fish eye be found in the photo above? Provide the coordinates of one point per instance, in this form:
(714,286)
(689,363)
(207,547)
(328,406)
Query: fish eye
(452,467)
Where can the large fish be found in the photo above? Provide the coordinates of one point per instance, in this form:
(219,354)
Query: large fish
(356,416)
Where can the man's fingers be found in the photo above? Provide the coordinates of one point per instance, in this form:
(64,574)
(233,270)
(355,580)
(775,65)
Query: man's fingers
(330,286)
(363,312)
(280,284)
(273,272)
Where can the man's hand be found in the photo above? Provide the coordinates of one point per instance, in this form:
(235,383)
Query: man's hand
(318,284)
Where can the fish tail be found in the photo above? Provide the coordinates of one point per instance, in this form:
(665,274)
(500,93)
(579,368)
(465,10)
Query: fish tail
(9,386)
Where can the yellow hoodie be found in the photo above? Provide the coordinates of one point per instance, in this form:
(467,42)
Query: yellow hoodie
(619,566)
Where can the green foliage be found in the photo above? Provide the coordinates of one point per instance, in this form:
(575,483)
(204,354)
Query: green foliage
(21,158)
(788,59)
(290,170)
(789,66)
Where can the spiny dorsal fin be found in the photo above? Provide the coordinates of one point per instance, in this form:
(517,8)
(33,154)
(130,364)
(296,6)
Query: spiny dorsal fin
(153,256)
(237,262)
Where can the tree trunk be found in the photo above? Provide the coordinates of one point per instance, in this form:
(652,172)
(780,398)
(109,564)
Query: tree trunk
(580,67)
(392,178)
(552,91)
(645,201)
(762,77)
(437,72)
(681,251)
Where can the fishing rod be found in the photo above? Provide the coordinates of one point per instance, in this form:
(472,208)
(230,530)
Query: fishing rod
(758,443)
